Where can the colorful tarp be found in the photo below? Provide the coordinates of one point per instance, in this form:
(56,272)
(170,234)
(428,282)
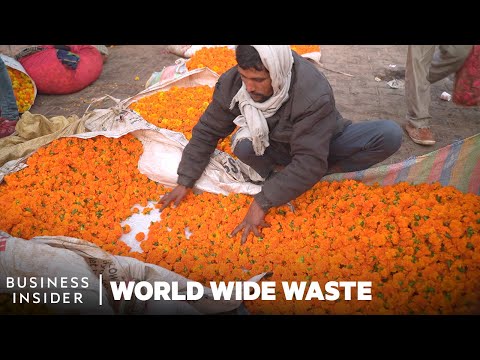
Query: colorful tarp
(457,164)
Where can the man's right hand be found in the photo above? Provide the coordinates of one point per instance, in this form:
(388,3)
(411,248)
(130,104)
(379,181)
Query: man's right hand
(176,195)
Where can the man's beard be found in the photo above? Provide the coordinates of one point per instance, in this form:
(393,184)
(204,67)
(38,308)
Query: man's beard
(261,98)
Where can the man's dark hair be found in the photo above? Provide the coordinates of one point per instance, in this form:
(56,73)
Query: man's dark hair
(248,58)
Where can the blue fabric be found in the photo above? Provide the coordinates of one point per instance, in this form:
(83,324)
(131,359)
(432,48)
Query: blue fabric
(360,146)
(8,103)
(68,58)
(263,164)
(364,144)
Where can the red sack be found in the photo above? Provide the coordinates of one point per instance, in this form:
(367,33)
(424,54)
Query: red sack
(467,80)
(51,76)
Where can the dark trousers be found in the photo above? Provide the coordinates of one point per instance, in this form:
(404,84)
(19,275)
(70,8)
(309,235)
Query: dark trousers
(8,103)
(360,146)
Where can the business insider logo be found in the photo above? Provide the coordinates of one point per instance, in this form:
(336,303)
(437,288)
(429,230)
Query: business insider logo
(46,290)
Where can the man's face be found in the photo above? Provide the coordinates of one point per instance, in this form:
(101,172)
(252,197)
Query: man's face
(258,83)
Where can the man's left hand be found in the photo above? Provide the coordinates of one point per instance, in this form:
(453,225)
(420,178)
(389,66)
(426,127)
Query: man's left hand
(254,219)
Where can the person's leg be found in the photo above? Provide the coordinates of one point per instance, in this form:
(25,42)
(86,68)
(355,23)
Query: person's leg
(417,93)
(8,103)
(417,87)
(447,60)
(263,164)
(364,144)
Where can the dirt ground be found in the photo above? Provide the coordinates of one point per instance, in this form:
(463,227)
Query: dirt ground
(358,97)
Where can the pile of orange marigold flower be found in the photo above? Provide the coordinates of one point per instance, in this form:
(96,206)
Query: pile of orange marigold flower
(222,58)
(78,188)
(418,245)
(22,88)
(218,59)
(305,49)
(178,109)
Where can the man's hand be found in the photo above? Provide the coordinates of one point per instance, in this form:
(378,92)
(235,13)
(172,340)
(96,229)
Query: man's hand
(254,219)
(176,195)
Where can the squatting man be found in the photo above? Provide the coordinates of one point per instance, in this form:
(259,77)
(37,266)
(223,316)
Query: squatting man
(290,131)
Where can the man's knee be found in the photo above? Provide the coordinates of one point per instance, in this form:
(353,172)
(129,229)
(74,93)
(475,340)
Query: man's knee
(244,149)
(392,136)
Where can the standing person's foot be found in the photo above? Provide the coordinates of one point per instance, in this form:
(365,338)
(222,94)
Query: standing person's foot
(422,136)
(7,127)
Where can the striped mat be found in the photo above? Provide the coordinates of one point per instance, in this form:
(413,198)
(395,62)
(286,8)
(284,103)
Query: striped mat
(457,164)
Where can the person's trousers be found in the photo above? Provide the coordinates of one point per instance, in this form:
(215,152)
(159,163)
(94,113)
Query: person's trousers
(360,146)
(424,67)
(8,103)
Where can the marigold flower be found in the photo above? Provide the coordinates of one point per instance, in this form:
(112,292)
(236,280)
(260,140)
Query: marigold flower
(140,236)
(22,88)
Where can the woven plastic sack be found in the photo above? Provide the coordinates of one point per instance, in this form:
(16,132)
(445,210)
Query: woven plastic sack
(467,80)
(178,50)
(14,65)
(53,77)
(56,257)
(168,73)
(28,51)
(102,49)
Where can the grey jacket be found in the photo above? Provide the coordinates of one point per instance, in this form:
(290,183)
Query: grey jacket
(301,129)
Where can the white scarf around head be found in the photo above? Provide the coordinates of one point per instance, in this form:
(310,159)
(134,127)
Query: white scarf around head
(278,60)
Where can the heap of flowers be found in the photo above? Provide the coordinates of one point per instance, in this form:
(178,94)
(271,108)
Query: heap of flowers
(222,58)
(22,88)
(178,109)
(78,188)
(305,49)
(419,245)
(218,59)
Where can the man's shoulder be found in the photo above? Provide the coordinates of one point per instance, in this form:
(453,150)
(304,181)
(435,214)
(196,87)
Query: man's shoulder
(307,75)
(229,83)
(309,83)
